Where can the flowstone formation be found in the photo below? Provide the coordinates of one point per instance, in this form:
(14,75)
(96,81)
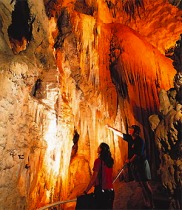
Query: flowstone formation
(168,133)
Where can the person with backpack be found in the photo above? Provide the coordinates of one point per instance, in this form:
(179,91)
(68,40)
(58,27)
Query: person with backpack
(138,162)
(102,178)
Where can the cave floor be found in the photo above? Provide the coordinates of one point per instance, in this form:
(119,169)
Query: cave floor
(128,195)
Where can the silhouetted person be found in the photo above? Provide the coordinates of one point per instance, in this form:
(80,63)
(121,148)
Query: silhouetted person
(137,160)
(102,178)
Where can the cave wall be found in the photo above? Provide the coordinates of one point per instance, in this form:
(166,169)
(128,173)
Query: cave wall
(167,127)
(74,71)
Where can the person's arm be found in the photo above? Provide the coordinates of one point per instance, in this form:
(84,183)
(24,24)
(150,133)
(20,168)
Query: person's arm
(131,159)
(92,181)
(115,131)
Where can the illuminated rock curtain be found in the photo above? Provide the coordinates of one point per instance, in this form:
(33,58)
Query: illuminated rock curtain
(67,69)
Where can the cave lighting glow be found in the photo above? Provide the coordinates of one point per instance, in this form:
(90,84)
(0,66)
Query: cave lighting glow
(53,152)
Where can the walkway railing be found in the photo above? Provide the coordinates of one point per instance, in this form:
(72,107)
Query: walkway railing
(74,200)
(56,204)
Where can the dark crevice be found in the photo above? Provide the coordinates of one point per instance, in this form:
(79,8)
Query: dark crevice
(36,87)
(21,27)
(119,81)
(75,144)
(52,8)
(64,27)
(175,54)
(117,72)
(131,7)
(82,7)
(177,3)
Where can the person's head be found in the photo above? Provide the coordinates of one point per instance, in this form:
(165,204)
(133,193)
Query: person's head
(134,130)
(105,154)
(104,147)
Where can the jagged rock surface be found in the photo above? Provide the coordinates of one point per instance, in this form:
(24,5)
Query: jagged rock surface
(168,135)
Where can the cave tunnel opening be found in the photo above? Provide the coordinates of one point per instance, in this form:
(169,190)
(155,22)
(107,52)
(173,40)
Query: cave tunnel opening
(21,26)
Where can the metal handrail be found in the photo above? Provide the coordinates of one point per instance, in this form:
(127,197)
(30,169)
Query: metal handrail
(57,203)
(74,200)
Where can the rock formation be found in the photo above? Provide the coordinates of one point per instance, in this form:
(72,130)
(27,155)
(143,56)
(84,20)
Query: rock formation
(68,68)
(168,134)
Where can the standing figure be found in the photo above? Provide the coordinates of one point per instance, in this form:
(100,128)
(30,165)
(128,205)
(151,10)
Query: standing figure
(102,178)
(137,159)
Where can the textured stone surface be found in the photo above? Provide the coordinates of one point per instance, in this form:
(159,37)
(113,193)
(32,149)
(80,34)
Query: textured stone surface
(168,142)
(95,66)
(168,135)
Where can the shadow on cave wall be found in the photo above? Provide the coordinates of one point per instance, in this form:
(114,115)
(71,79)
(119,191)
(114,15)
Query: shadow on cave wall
(142,115)
(75,144)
